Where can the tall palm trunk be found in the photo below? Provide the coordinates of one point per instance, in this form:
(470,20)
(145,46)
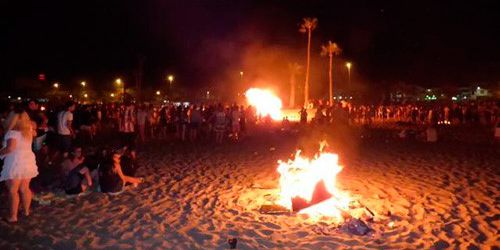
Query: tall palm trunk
(292,90)
(306,85)
(330,78)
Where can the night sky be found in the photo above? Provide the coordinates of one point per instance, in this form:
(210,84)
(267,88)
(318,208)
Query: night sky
(429,43)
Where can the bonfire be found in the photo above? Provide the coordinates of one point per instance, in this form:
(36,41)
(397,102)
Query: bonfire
(265,102)
(308,186)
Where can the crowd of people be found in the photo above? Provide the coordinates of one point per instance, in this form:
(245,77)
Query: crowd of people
(93,147)
(485,113)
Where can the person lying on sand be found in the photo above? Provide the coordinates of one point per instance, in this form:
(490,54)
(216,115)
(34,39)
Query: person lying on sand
(111,176)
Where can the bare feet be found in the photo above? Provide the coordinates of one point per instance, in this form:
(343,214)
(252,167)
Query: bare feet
(139,180)
(11,220)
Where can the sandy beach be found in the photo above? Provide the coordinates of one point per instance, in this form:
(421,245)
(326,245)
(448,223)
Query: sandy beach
(424,196)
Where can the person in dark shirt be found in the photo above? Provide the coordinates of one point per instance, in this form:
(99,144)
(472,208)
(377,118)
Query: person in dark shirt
(111,176)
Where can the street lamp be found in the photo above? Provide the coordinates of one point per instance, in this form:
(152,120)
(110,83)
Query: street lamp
(170,78)
(348,65)
(83,84)
(119,83)
(56,85)
(112,94)
(85,95)
(158,92)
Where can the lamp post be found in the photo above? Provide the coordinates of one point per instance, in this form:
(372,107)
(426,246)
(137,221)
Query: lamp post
(348,65)
(119,83)
(170,79)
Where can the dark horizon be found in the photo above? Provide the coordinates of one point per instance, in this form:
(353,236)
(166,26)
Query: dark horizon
(207,43)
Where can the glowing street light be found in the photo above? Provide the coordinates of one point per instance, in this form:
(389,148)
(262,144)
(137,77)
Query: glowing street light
(70,96)
(56,85)
(118,81)
(85,95)
(158,92)
(83,84)
(112,94)
(170,78)
(348,65)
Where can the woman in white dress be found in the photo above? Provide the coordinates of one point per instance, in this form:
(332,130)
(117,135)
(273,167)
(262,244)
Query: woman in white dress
(19,161)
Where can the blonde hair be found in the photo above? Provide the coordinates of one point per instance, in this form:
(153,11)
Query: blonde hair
(20,122)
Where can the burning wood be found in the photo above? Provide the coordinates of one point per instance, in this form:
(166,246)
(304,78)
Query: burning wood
(307,186)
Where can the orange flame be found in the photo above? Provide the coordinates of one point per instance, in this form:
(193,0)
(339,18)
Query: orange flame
(265,102)
(300,177)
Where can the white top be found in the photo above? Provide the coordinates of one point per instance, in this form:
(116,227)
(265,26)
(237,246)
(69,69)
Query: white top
(127,120)
(63,119)
(21,162)
(141,116)
(235,115)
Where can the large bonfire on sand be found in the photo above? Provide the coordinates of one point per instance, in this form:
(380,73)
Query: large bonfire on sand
(308,186)
(265,102)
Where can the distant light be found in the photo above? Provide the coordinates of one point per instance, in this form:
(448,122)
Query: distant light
(340,97)
(429,90)
(9,96)
(465,97)
(335,98)
(18,98)
(56,85)
(41,77)
(83,84)
(241,73)
(164,101)
(170,78)
(70,96)
(118,81)
(348,65)
(158,92)
(350,97)
(478,88)
(454,98)
(85,95)
(42,108)
(112,95)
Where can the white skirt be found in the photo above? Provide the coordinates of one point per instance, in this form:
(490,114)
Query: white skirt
(19,165)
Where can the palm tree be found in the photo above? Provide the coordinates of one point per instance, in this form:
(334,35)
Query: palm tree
(330,50)
(308,25)
(294,69)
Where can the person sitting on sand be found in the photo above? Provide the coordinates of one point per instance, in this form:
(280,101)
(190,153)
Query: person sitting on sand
(128,162)
(111,176)
(77,178)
